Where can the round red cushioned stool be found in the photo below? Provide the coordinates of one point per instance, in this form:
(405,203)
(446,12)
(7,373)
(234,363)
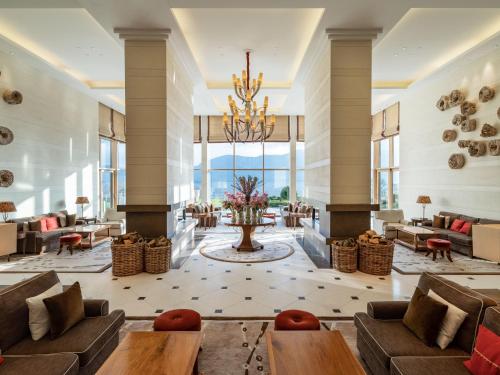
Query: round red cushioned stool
(70,240)
(178,320)
(296,320)
(437,244)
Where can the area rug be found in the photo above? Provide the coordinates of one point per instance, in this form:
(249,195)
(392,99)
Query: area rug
(223,251)
(239,347)
(93,260)
(409,262)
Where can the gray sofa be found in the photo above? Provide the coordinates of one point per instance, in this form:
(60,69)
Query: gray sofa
(460,242)
(388,347)
(81,350)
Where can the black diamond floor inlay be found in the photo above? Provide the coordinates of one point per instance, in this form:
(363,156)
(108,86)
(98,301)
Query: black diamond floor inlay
(354,297)
(223,287)
(195,298)
(127,287)
(218,311)
(336,311)
(302,298)
(277,311)
(321,287)
(159,311)
(248,298)
(175,287)
(141,298)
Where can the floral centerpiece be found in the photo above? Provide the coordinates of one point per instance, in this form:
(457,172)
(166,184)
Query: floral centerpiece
(259,204)
(236,203)
(247,202)
(246,186)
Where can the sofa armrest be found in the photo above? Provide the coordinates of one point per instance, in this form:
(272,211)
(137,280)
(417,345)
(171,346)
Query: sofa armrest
(96,307)
(387,309)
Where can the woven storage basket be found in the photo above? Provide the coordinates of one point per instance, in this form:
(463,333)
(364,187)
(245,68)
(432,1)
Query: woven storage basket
(127,260)
(375,259)
(157,259)
(345,258)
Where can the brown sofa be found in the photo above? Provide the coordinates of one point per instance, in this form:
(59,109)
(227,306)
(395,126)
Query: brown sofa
(388,347)
(81,350)
(460,242)
(208,216)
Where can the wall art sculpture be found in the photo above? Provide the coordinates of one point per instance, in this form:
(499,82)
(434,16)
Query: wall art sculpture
(468,108)
(486,94)
(443,103)
(12,97)
(456,161)
(6,178)
(477,149)
(458,119)
(468,125)
(463,143)
(494,147)
(488,131)
(456,98)
(6,136)
(449,135)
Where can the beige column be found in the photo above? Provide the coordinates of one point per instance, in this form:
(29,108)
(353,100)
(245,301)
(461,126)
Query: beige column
(350,131)
(146,129)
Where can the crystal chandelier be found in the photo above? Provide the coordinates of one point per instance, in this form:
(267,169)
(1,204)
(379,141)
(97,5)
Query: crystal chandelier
(248,122)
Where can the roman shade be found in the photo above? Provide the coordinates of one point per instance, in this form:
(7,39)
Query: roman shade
(378,126)
(105,121)
(118,126)
(391,120)
(281,132)
(197,129)
(300,128)
(216,129)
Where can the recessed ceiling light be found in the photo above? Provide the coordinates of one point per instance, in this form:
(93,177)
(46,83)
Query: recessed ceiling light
(404,48)
(12,52)
(395,55)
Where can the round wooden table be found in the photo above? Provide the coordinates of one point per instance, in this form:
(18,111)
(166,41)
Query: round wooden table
(246,241)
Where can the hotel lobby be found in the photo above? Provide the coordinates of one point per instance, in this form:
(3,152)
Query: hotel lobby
(300,187)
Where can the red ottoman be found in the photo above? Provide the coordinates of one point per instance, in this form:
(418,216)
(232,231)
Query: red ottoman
(178,320)
(296,320)
(437,244)
(70,240)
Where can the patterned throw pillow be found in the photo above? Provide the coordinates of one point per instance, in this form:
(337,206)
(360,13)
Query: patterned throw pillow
(438,221)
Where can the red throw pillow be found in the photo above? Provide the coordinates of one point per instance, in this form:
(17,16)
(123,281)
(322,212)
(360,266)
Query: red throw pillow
(43,224)
(1,359)
(466,228)
(456,225)
(52,223)
(485,358)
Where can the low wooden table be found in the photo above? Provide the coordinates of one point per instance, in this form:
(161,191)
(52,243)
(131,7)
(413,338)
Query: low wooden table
(414,237)
(90,234)
(310,352)
(159,353)
(246,241)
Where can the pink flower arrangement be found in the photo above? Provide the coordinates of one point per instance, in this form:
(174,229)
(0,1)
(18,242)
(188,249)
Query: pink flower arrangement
(259,202)
(234,202)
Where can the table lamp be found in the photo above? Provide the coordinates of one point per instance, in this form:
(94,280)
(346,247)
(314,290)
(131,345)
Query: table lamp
(423,200)
(81,201)
(5,208)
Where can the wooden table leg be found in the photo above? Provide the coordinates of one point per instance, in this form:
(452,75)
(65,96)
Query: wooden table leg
(195,368)
(448,254)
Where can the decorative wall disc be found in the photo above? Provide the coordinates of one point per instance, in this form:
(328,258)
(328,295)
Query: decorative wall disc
(456,161)
(6,136)
(486,94)
(12,97)
(6,178)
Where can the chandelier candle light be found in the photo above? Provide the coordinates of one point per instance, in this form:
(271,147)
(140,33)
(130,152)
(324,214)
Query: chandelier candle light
(248,123)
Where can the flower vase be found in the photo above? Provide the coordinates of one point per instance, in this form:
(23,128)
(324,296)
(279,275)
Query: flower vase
(259,216)
(241,217)
(248,217)
(254,215)
(233,216)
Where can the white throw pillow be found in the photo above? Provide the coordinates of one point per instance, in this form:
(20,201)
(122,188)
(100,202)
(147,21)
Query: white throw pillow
(39,320)
(451,323)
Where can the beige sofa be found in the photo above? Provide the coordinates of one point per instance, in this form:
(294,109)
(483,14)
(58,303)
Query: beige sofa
(387,221)
(116,220)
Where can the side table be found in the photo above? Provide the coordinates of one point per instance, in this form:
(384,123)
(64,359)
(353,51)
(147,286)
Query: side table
(419,221)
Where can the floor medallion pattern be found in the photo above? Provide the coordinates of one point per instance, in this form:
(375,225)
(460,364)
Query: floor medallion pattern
(223,251)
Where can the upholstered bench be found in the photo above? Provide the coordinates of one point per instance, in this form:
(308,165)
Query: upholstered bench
(178,320)
(437,244)
(70,240)
(296,320)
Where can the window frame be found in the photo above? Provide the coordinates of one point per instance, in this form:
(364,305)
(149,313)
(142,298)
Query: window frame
(377,170)
(114,173)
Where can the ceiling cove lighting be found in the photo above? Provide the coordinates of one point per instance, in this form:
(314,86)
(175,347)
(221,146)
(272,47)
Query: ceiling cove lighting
(249,122)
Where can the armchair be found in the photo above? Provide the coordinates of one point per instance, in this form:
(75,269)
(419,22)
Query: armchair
(116,220)
(387,221)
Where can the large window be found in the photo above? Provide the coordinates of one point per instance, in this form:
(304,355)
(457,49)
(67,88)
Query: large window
(112,174)
(299,177)
(385,164)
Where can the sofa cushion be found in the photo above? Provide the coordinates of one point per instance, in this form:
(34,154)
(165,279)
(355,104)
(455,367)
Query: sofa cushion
(390,338)
(428,366)
(485,358)
(71,220)
(472,219)
(45,364)
(466,299)
(52,223)
(39,320)
(460,238)
(466,228)
(35,225)
(85,339)
(14,314)
(457,225)
(61,218)
(438,221)
(492,319)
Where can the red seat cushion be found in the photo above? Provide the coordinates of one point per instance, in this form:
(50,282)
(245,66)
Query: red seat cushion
(456,225)
(72,238)
(485,359)
(178,320)
(290,320)
(1,359)
(438,243)
(466,228)
(52,223)
(43,225)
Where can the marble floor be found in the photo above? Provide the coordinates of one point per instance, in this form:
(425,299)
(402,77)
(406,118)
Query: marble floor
(249,290)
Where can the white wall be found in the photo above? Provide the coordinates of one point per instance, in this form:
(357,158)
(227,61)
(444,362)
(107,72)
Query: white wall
(473,190)
(54,156)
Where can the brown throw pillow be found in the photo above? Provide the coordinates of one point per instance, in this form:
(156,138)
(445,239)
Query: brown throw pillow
(35,225)
(438,221)
(70,220)
(65,310)
(424,317)
(61,219)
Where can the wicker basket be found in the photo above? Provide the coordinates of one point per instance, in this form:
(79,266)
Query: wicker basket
(375,259)
(345,258)
(157,259)
(127,260)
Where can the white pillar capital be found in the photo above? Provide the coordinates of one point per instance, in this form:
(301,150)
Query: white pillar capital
(353,34)
(142,34)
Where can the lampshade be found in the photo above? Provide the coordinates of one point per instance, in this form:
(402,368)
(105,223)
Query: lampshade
(7,207)
(82,200)
(424,199)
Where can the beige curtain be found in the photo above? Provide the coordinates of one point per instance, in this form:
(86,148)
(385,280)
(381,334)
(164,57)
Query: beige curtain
(378,126)
(119,126)
(281,132)
(300,128)
(216,129)
(391,120)
(105,121)
(197,129)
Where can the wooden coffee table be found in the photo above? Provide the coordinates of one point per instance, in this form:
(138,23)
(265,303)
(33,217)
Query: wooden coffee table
(414,237)
(159,353)
(310,352)
(93,234)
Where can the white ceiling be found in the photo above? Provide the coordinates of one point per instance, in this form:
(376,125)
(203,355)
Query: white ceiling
(210,42)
